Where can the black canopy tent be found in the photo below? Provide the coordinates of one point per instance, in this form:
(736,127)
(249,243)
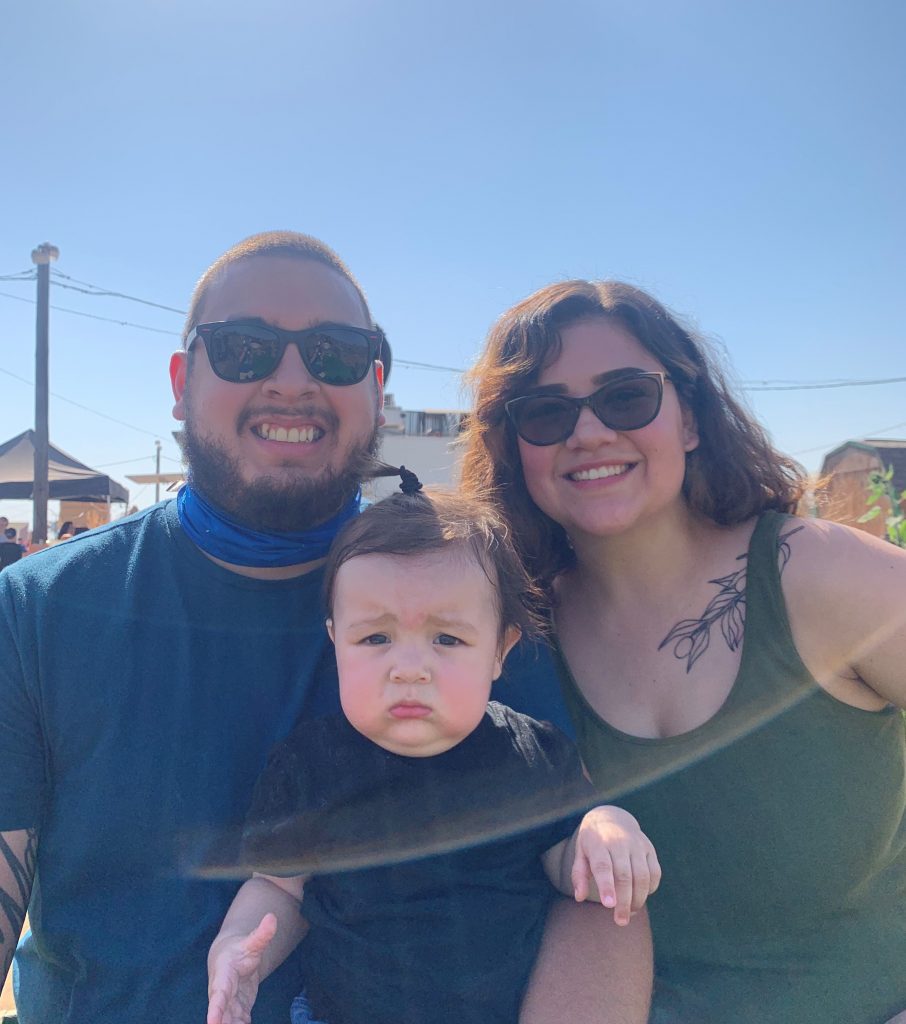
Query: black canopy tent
(70,480)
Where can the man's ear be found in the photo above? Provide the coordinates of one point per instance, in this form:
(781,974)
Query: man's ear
(179,368)
(510,638)
(329,624)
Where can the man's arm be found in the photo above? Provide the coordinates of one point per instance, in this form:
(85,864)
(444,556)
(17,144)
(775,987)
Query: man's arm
(17,871)
(589,970)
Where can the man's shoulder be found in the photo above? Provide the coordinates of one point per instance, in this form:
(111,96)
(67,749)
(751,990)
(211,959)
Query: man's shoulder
(530,684)
(106,546)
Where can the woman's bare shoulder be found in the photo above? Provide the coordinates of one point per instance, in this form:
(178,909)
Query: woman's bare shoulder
(820,549)
(845,592)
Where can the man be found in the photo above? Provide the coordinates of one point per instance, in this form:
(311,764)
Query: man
(147,667)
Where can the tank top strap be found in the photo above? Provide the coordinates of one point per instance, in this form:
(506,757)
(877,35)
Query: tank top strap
(770,661)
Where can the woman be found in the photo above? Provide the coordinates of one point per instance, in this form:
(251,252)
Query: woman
(732,670)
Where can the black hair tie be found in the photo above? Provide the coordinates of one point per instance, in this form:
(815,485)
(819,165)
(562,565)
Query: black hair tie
(410,482)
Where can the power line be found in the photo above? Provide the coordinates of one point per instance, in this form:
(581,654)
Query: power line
(79,405)
(100,293)
(123,462)
(867,433)
(23,275)
(94,316)
(426,366)
(821,385)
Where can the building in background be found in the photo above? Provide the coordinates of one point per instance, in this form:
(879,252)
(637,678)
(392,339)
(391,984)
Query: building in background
(841,491)
(423,440)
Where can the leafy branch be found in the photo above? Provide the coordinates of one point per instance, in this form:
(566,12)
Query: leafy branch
(880,486)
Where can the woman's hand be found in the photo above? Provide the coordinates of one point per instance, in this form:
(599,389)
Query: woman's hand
(614,856)
(234,973)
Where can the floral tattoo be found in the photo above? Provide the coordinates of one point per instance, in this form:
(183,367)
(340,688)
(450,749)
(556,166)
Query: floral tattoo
(692,637)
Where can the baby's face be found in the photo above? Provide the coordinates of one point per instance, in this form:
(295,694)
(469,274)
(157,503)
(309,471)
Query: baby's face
(418,646)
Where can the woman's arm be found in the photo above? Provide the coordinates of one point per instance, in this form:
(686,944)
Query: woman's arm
(589,970)
(846,598)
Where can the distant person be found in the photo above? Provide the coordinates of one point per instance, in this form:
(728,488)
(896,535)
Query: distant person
(426,597)
(738,667)
(65,530)
(10,549)
(194,640)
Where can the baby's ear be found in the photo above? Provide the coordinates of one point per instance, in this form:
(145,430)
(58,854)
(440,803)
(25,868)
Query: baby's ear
(329,624)
(510,638)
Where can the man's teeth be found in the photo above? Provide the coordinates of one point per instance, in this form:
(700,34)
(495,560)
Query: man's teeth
(270,433)
(599,472)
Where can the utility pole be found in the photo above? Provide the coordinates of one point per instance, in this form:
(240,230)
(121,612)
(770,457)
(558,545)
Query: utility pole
(157,471)
(42,257)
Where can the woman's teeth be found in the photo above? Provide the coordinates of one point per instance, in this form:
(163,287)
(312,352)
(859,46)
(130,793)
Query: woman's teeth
(599,472)
(270,433)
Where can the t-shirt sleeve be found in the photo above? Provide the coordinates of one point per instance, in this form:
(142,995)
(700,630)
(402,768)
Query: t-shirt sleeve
(23,782)
(558,780)
(277,815)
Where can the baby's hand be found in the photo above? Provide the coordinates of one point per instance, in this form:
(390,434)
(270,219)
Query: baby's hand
(615,855)
(234,964)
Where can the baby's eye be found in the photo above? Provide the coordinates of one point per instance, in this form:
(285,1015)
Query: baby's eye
(446,640)
(373,639)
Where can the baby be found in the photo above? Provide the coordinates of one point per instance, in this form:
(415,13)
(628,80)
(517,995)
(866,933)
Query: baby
(412,839)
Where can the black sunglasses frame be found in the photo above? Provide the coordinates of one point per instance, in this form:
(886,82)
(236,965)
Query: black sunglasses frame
(373,336)
(576,405)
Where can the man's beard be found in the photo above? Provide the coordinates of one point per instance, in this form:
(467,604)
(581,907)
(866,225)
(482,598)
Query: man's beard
(272,504)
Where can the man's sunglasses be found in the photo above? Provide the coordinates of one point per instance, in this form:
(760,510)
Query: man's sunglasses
(243,352)
(627,403)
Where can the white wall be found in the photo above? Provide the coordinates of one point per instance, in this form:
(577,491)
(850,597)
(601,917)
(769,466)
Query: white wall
(434,460)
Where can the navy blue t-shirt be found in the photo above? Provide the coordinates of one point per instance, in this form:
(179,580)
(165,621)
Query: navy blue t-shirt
(141,687)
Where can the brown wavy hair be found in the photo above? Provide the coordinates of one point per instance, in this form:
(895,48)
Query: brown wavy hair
(734,473)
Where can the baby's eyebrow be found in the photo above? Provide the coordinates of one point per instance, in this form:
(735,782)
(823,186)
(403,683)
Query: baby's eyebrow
(376,620)
(450,622)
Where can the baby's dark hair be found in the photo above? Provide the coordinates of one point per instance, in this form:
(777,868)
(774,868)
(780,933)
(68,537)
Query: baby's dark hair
(423,521)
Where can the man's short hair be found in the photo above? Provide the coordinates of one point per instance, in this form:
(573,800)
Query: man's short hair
(270,243)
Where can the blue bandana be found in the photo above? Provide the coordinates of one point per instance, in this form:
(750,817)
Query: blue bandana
(219,535)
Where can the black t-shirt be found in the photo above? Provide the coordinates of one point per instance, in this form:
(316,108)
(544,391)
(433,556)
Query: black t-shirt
(445,929)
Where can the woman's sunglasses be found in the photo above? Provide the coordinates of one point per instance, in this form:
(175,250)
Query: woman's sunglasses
(627,403)
(243,352)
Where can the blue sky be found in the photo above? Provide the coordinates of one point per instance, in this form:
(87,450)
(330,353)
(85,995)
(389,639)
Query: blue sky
(744,162)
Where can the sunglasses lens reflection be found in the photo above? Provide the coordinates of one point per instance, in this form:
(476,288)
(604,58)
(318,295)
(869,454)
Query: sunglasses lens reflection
(246,353)
(338,356)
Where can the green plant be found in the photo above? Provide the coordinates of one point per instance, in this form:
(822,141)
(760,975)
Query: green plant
(880,486)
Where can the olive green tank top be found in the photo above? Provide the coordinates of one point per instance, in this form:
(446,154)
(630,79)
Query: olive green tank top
(779,825)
